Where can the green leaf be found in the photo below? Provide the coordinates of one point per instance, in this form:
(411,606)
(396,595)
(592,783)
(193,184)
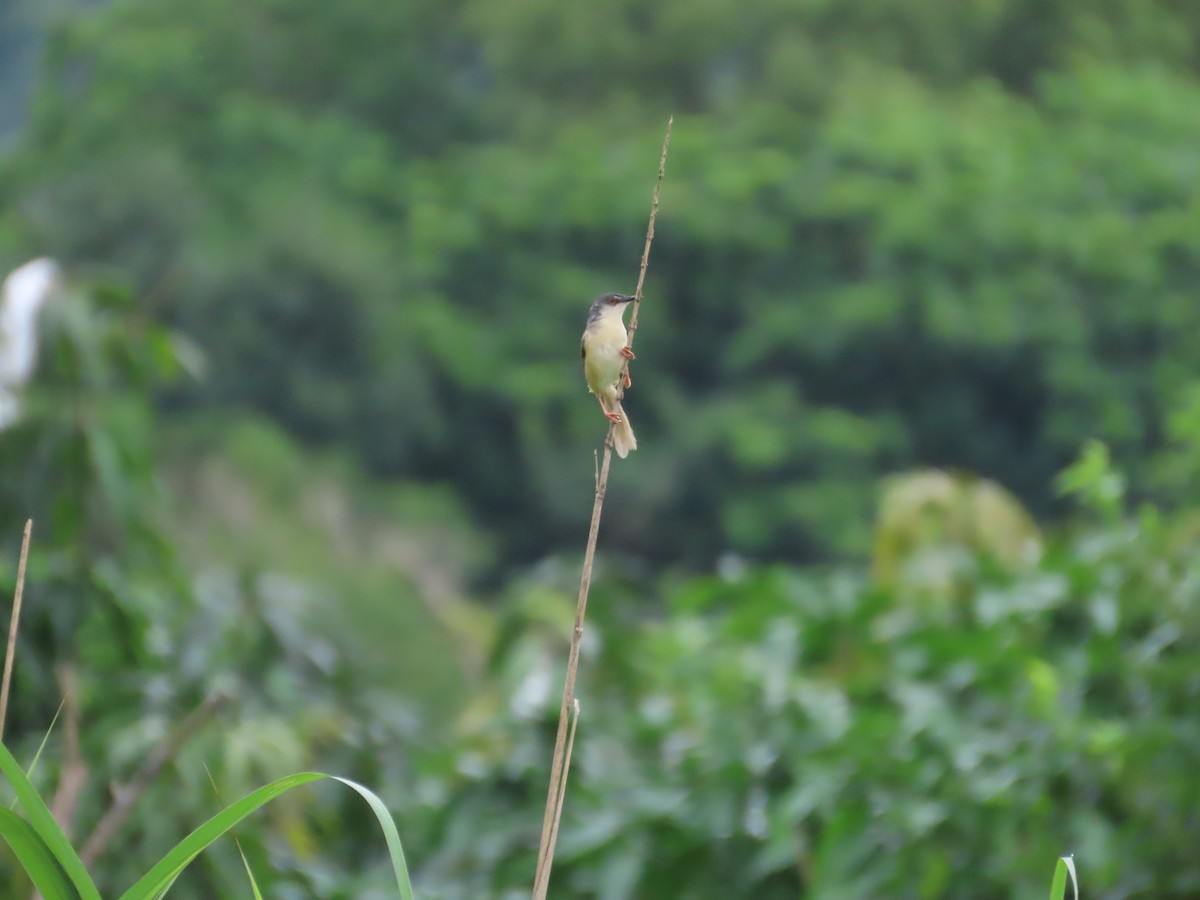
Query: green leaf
(42,822)
(390,835)
(249,873)
(35,858)
(1094,480)
(155,882)
(1058,887)
(42,746)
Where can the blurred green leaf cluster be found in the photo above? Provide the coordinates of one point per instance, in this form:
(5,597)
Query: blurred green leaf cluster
(124,620)
(783,733)
(891,236)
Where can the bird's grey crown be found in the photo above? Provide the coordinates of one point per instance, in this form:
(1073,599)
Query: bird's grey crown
(601,302)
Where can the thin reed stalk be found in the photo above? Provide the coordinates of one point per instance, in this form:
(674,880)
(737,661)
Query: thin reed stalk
(569,712)
(13,625)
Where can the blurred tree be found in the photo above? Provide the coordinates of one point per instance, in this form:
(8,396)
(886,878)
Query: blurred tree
(892,236)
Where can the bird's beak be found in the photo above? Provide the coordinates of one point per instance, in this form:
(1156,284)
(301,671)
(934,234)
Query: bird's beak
(627,299)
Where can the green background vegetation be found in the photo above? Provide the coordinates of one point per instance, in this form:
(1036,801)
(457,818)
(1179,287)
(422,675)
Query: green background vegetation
(309,433)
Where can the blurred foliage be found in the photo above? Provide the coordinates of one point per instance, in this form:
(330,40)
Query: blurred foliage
(779,733)
(892,236)
(80,463)
(119,612)
(895,237)
(934,527)
(381,569)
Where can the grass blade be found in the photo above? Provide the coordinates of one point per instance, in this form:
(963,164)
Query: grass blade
(42,746)
(399,866)
(1058,887)
(249,873)
(156,882)
(35,858)
(242,853)
(167,869)
(46,828)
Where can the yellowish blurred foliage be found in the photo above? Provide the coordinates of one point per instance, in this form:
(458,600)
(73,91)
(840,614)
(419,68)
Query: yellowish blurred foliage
(933,527)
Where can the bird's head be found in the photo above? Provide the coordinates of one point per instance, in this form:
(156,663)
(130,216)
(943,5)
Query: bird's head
(608,304)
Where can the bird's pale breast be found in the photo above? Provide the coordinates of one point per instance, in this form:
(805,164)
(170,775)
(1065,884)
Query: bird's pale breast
(603,362)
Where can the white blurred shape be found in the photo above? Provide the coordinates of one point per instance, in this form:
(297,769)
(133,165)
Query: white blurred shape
(21,298)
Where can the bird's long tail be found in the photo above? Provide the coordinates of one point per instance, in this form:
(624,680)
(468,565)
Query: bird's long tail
(623,439)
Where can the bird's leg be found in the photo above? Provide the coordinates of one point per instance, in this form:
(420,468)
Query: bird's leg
(628,354)
(613,417)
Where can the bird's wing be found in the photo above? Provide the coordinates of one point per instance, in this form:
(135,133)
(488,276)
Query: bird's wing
(582,349)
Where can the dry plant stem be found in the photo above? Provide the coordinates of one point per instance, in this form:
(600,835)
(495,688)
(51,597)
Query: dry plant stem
(564,744)
(126,796)
(14,622)
(558,785)
(562,782)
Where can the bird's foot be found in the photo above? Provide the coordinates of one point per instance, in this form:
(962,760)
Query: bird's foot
(628,380)
(627,353)
(613,417)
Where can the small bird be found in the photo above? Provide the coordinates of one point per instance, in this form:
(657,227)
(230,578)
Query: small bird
(604,349)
